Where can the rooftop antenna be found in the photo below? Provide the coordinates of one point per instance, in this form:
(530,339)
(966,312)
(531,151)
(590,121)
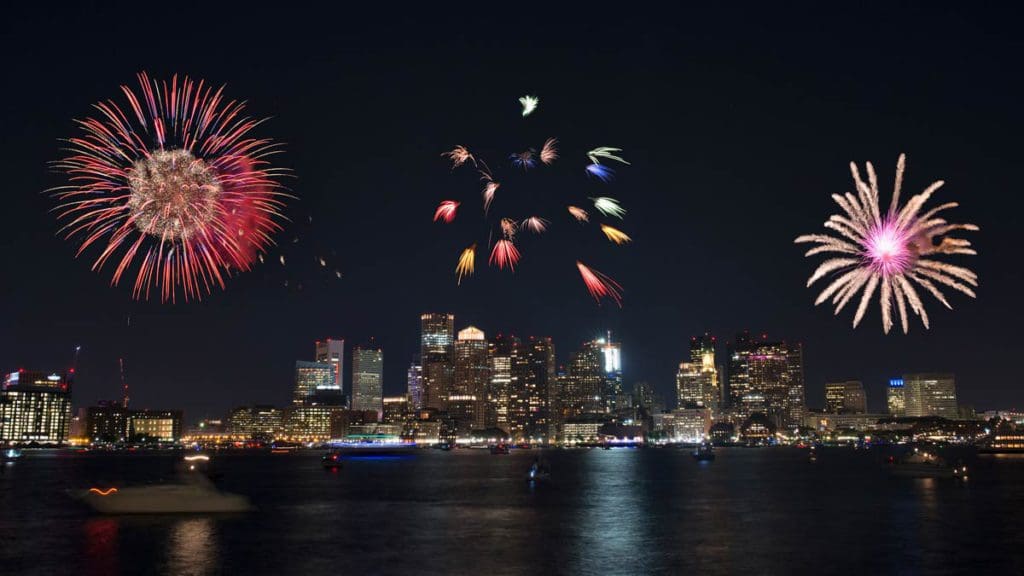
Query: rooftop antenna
(74,361)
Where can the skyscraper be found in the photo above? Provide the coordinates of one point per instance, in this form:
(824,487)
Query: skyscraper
(689,385)
(437,355)
(930,395)
(845,397)
(332,351)
(312,378)
(530,389)
(895,398)
(702,356)
(612,389)
(414,383)
(472,374)
(585,383)
(35,407)
(367,378)
(503,359)
(766,377)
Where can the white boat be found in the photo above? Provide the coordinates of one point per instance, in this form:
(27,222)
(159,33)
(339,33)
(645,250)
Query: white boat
(195,497)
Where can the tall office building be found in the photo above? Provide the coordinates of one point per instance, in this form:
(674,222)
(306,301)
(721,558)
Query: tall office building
(585,384)
(437,343)
(35,407)
(702,356)
(930,395)
(414,383)
(503,360)
(845,397)
(530,390)
(312,378)
(895,398)
(689,386)
(766,377)
(332,351)
(367,378)
(469,385)
(612,390)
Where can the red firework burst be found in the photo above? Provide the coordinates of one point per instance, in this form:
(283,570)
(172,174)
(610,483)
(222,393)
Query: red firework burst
(172,188)
(600,285)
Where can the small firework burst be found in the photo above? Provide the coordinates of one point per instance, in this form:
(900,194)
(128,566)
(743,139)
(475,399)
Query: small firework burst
(600,285)
(615,235)
(889,252)
(525,159)
(465,265)
(601,172)
(549,152)
(579,214)
(446,211)
(609,206)
(606,152)
(459,156)
(509,228)
(504,254)
(535,224)
(529,104)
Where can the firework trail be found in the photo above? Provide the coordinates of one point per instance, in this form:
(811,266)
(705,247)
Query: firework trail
(459,156)
(601,172)
(535,224)
(529,104)
(465,265)
(490,188)
(524,160)
(615,235)
(509,227)
(600,285)
(504,254)
(172,188)
(609,206)
(549,153)
(605,152)
(889,252)
(579,214)
(446,211)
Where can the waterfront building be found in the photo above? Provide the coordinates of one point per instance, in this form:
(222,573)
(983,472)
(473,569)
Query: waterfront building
(503,359)
(311,423)
(162,426)
(367,378)
(35,408)
(267,422)
(240,421)
(332,351)
(414,383)
(689,385)
(530,390)
(845,397)
(585,383)
(930,395)
(107,422)
(437,344)
(396,409)
(702,357)
(312,378)
(766,377)
(471,378)
(895,398)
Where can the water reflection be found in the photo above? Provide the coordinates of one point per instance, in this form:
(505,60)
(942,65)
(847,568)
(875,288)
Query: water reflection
(193,548)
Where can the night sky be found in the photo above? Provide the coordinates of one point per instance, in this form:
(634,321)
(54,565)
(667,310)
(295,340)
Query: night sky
(739,123)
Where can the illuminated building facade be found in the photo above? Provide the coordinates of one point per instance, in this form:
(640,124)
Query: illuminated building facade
(35,407)
(611,392)
(396,409)
(504,361)
(689,385)
(702,357)
(469,386)
(107,422)
(930,395)
(310,423)
(155,426)
(312,378)
(584,383)
(414,383)
(530,390)
(845,397)
(437,349)
(332,351)
(367,378)
(766,377)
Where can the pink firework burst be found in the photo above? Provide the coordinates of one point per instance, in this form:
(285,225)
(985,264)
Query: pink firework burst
(446,211)
(549,153)
(535,224)
(887,248)
(600,285)
(171,188)
(504,254)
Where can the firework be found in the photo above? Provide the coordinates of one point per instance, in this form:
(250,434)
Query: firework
(172,187)
(615,235)
(446,211)
(504,254)
(609,206)
(549,153)
(459,156)
(529,104)
(889,252)
(579,214)
(490,188)
(535,224)
(605,152)
(524,160)
(600,171)
(465,265)
(509,227)
(600,285)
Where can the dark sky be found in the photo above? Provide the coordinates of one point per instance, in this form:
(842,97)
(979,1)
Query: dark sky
(739,123)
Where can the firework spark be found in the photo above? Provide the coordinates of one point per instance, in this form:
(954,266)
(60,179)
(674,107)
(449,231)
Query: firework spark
(615,235)
(173,188)
(459,156)
(465,265)
(605,152)
(535,224)
(529,104)
(579,214)
(890,252)
(509,227)
(524,159)
(490,188)
(600,285)
(549,152)
(600,171)
(609,206)
(504,254)
(446,211)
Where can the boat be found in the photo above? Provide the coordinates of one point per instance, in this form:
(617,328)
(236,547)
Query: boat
(499,449)
(197,496)
(538,473)
(812,454)
(10,455)
(927,464)
(331,460)
(704,453)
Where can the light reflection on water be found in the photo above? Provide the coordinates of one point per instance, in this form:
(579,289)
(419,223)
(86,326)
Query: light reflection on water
(192,547)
